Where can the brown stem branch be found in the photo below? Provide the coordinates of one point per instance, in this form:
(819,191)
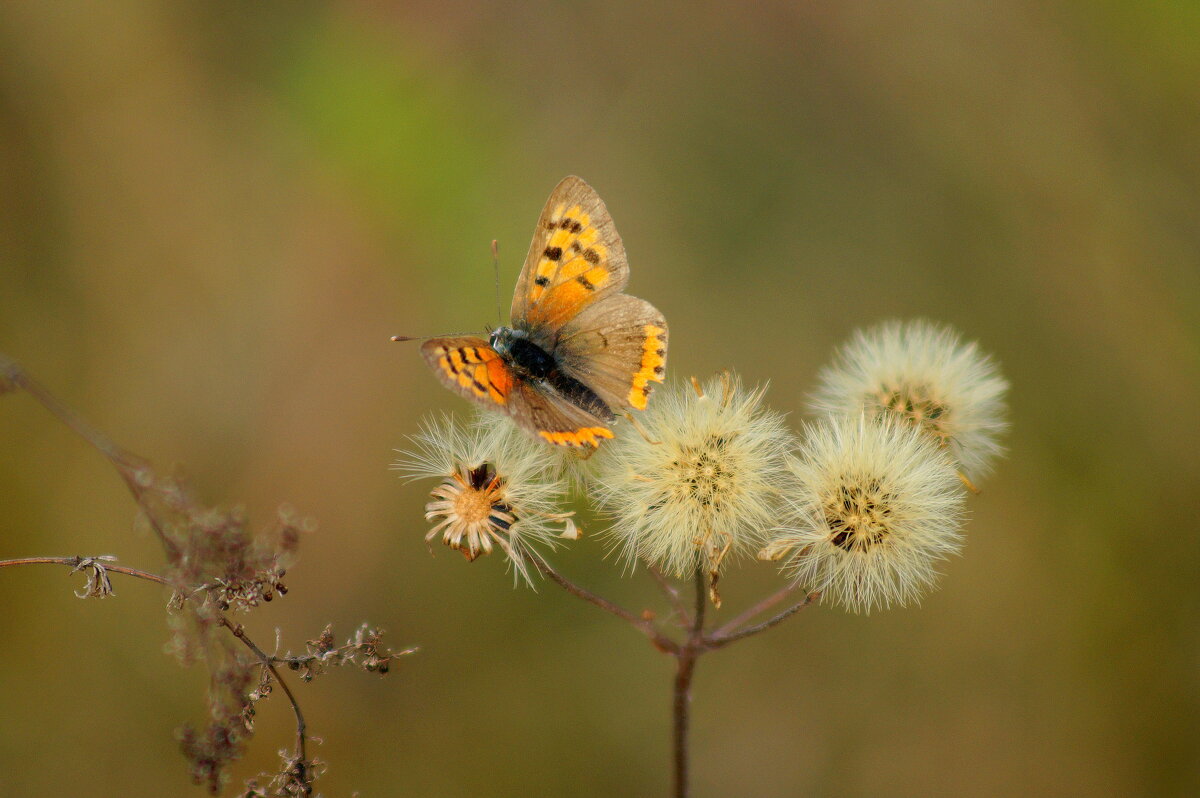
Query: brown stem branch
(75,562)
(686,668)
(269,661)
(236,629)
(128,465)
(672,594)
(721,639)
(761,607)
(645,626)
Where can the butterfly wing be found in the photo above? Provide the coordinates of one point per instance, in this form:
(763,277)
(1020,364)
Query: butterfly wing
(576,259)
(470,367)
(616,347)
(553,418)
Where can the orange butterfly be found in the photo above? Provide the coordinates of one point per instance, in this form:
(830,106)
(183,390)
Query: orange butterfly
(579,351)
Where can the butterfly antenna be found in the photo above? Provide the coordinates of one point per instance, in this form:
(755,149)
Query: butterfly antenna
(427,337)
(496,272)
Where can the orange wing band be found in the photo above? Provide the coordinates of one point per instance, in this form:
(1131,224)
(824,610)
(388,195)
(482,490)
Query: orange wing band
(479,370)
(584,436)
(652,369)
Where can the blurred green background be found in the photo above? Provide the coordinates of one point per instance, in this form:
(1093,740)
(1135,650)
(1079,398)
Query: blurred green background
(214,214)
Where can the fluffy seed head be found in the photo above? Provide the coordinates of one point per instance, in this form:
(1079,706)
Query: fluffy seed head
(922,374)
(875,505)
(706,484)
(497,489)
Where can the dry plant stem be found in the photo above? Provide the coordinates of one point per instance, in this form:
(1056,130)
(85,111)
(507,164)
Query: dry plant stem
(644,625)
(685,667)
(269,661)
(74,562)
(762,606)
(126,464)
(695,644)
(720,639)
(235,629)
(682,617)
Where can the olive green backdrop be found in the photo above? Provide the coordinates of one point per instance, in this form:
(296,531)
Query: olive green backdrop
(214,214)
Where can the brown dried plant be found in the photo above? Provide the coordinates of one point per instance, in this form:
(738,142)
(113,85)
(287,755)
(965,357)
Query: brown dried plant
(216,565)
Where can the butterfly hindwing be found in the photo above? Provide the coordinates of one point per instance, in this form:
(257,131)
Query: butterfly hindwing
(470,367)
(576,259)
(616,347)
(537,408)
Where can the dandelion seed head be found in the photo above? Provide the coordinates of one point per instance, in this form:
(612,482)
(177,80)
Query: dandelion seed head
(924,375)
(497,488)
(704,487)
(875,505)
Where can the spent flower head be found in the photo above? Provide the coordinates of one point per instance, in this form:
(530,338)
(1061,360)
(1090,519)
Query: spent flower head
(876,504)
(498,488)
(705,485)
(925,375)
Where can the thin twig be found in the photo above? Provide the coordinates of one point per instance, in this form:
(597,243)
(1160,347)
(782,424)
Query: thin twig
(267,660)
(128,465)
(719,640)
(647,627)
(672,594)
(236,629)
(762,606)
(75,562)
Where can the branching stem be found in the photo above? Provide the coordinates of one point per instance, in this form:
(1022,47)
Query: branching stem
(235,629)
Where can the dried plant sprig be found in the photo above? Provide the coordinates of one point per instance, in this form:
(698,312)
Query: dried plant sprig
(497,489)
(702,486)
(293,780)
(876,504)
(98,584)
(362,650)
(925,375)
(215,563)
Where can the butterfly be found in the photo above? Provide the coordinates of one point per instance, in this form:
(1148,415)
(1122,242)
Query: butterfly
(579,351)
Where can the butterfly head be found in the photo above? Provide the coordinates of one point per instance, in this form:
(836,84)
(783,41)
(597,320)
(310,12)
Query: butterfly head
(502,338)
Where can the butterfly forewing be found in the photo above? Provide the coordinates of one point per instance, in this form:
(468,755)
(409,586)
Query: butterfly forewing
(470,367)
(576,259)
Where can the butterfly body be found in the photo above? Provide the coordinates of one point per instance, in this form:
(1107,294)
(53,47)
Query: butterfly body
(579,351)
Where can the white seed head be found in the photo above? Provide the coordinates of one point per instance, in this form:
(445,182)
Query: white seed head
(923,374)
(704,487)
(497,489)
(875,504)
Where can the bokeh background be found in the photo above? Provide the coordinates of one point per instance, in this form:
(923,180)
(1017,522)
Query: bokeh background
(213,214)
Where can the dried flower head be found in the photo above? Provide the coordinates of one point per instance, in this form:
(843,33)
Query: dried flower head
(876,505)
(924,374)
(498,488)
(706,483)
(98,584)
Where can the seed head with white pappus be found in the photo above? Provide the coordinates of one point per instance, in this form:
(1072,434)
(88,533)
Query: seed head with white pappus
(923,374)
(706,484)
(498,488)
(876,504)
